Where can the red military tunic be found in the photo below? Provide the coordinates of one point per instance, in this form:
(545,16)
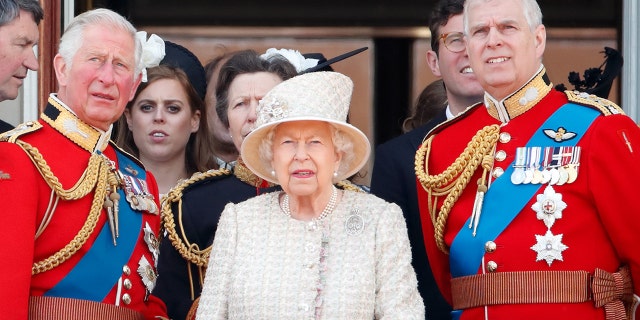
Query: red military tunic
(92,272)
(594,225)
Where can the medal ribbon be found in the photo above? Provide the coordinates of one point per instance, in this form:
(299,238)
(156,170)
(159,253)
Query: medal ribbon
(466,251)
(83,281)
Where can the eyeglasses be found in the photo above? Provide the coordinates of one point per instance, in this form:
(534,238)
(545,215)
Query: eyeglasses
(454,41)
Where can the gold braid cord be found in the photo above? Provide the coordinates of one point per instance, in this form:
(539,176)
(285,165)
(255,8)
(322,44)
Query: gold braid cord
(348,185)
(191,252)
(452,182)
(96,175)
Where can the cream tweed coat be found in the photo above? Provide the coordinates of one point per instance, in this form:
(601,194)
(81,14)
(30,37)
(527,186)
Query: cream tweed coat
(266,265)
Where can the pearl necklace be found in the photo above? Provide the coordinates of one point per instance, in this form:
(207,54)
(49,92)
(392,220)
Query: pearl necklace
(328,209)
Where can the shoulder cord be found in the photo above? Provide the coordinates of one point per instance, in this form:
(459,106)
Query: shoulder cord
(348,185)
(189,251)
(96,175)
(455,178)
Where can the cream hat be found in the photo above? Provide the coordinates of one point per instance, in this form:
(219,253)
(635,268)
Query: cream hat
(321,96)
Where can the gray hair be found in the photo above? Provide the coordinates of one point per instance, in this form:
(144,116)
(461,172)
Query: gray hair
(532,13)
(342,144)
(73,36)
(10,9)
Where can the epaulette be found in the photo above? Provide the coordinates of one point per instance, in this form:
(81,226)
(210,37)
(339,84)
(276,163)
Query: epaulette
(348,185)
(196,179)
(606,107)
(22,129)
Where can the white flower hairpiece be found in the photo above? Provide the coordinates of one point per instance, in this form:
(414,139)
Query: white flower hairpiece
(294,56)
(152,51)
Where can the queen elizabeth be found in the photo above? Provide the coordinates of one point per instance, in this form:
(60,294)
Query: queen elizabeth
(310,251)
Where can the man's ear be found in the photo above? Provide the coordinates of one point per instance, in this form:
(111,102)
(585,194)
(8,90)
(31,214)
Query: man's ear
(432,61)
(137,81)
(60,67)
(541,40)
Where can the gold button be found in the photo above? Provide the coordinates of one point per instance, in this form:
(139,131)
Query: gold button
(497,172)
(492,266)
(505,137)
(490,246)
(127,284)
(501,155)
(126,270)
(126,298)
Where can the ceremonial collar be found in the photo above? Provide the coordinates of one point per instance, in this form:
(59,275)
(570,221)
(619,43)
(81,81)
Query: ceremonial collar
(65,121)
(520,101)
(247,176)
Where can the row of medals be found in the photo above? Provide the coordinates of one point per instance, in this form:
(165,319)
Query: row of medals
(560,166)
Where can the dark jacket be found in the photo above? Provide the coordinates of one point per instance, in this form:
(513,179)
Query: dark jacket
(394,180)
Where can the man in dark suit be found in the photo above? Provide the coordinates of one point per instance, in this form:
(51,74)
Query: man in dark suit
(19,33)
(393,177)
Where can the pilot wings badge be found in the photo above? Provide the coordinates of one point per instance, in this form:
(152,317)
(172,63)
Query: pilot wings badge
(559,135)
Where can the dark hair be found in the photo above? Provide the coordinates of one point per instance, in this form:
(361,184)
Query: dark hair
(431,100)
(440,15)
(10,9)
(212,65)
(241,62)
(199,156)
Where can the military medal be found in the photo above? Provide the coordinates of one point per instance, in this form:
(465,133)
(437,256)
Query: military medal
(548,208)
(534,164)
(528,176)
(549,247)
(518,175)
(574,163)
(148,275)
(152,243)
(563,176)
(138,195)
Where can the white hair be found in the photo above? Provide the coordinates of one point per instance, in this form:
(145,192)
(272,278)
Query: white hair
(73,36)
(532,13)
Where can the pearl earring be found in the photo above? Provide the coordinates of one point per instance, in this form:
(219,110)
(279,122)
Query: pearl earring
(273,173)
(335,174)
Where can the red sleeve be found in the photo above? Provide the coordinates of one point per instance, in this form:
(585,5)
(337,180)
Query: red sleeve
(614,173)
(18,206)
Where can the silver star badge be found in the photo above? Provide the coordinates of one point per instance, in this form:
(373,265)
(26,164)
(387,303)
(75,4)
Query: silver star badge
(152,242)
(549,206)
(549,247)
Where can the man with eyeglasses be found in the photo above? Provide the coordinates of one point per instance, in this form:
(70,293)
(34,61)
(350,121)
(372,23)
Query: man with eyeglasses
(393,177)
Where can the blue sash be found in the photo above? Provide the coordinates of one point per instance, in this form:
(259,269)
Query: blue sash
(99,269)
(497,213)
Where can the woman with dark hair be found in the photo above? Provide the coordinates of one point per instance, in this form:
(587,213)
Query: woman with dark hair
(166,127)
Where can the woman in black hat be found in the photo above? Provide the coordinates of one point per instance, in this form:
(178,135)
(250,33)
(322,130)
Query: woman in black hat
(165,125)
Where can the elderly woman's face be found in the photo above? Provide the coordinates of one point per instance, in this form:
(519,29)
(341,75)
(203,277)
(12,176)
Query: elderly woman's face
(304,157)
(245,92)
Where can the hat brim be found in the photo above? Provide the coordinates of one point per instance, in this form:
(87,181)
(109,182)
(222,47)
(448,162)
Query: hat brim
(250,152)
